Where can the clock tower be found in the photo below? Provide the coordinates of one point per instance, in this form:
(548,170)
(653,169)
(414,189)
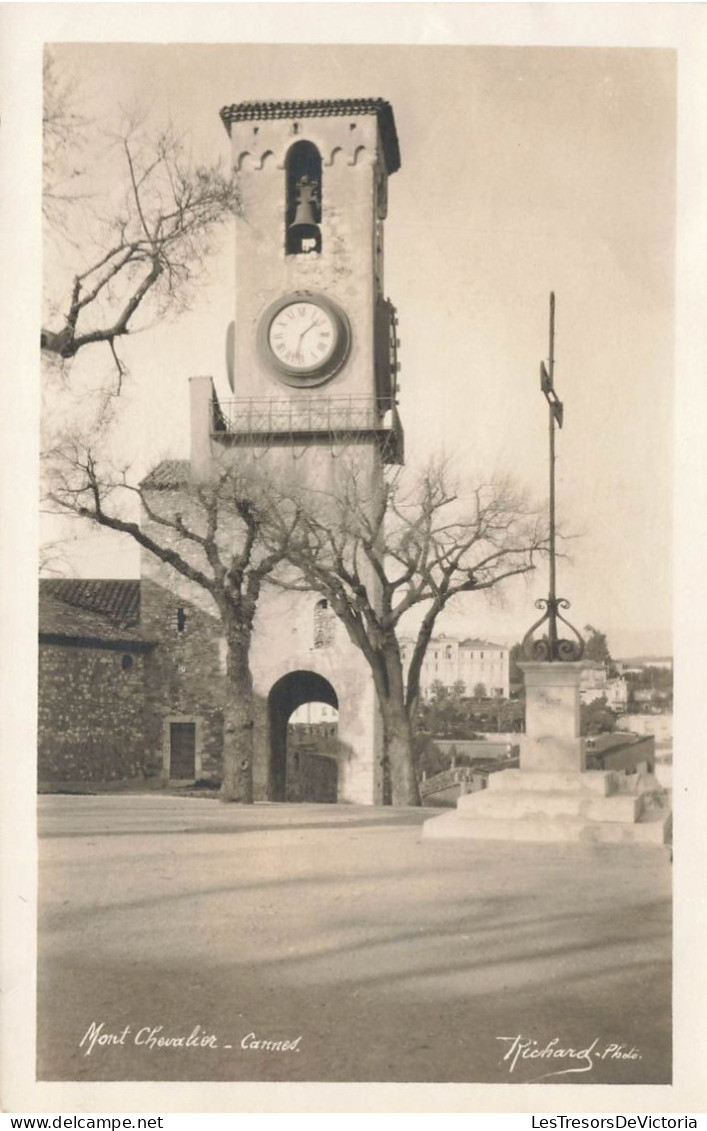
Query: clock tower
(313,373)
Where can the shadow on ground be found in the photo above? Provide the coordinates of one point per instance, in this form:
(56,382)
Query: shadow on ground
(381,957)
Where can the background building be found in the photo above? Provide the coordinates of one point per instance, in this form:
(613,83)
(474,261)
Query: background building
(475,663)
(597,684)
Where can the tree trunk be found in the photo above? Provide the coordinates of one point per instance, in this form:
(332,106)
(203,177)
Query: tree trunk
(397,743)
(238,715)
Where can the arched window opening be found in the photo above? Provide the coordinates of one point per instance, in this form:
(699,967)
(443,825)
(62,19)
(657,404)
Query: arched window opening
(304,199)
(324,624)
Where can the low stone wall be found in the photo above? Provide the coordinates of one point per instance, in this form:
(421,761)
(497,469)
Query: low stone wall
(478,748)
(444,790)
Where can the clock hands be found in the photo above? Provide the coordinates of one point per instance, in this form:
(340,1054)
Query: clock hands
(312,324)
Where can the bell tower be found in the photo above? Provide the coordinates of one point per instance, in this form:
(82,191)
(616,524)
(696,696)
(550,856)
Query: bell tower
(312,363)
(311,318)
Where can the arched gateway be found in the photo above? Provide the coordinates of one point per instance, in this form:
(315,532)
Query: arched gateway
(287,694)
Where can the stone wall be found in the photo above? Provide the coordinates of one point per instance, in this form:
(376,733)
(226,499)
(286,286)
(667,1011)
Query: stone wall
(185,676)
(90,717)
(104,710)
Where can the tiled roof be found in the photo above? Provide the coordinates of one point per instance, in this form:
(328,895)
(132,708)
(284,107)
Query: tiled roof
(323,108)
(168,474)
(90,610)
(117,601)
(97,611)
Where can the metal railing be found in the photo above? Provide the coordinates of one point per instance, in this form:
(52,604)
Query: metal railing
(255,416)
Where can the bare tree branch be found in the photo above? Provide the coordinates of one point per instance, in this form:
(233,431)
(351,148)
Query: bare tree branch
(147,238)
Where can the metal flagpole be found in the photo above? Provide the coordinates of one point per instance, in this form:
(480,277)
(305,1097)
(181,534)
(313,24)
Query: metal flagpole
(551,647)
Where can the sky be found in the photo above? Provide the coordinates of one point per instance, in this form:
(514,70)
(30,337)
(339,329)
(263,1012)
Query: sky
(524,170)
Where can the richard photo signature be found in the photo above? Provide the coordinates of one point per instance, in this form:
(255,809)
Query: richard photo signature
(575,1060)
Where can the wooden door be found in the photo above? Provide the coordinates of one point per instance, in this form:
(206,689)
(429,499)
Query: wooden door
(182,751)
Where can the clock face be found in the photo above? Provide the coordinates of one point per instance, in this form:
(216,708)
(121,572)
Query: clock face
(306,338)
(303,336)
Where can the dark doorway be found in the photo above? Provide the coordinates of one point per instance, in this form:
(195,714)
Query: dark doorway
(182,751)
(315,774)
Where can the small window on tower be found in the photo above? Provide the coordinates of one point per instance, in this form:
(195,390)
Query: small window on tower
(304,199)
(180,619)
(324,620)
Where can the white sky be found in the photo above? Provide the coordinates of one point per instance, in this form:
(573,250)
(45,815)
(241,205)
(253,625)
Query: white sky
(523,170)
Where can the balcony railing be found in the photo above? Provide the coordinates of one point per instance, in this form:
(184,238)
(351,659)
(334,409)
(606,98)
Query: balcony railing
(335,419)
(254,416)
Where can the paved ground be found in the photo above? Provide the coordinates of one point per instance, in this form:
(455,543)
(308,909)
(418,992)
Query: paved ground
(377,956)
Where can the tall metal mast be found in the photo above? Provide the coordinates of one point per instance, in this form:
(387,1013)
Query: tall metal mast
(551,647)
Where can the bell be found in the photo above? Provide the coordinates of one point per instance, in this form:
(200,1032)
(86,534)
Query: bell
(304,216)
(304,225)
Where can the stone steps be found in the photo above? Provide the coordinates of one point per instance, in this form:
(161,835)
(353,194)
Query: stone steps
(652,828)
(535,804)
(600,783)
(553,806)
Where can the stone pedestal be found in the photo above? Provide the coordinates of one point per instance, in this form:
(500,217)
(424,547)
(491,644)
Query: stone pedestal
(551,742)
(551,797)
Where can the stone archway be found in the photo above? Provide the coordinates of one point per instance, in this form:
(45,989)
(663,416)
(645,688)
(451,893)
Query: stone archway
(286,695)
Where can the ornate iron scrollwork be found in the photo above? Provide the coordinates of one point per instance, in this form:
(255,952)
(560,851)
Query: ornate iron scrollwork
(550,646)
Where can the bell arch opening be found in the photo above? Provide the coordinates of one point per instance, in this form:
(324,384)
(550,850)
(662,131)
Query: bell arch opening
(302,770)
(304,199)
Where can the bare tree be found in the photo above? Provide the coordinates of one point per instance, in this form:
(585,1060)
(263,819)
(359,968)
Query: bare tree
(415,545)
(139,230)
(131,221)
(64,129)
(208,531)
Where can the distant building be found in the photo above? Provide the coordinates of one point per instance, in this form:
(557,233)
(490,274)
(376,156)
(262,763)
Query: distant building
(596,684)
(658,725)
(314,713)
(471,661)
(637,664)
